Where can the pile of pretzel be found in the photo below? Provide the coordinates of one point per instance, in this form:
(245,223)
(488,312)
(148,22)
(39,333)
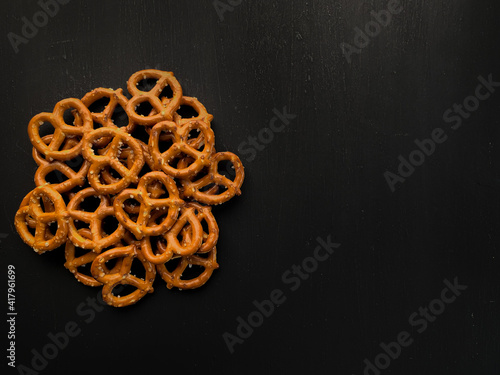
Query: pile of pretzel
(160,191)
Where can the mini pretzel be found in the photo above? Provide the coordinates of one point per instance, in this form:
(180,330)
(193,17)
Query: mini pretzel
(73,262)
(45,167)
(174,278)
(105,117)
(181,146)
(173,246)
(123,276)
(110,159)
(40,241)
(97,240)
(192,188)
(203,115)
(161,110)
(142,194)
(62,130)
(203,213)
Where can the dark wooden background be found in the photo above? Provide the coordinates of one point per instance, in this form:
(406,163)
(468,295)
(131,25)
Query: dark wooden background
(323,175)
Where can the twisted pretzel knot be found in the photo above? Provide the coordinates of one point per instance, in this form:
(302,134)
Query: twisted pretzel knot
(61,130)
(192,188)
(45,167)
(40,241)
(174,278)
(110,159)
(73,263)
(141,227)
(105,117)
(98,240)
(181,146)
(157,194)
(111,279)
(162,109)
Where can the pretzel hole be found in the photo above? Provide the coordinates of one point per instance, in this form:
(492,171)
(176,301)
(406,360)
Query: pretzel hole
(187,111)
(122,290)
(84,269)
(207,187)
(167,92)
(141,133)
(226,169)
(111,263)
(173,263)
(70,116)
(52,228)
(79,252)
(97,125)
(109,224)
(75,163)
(137,269)
(81,225)
(120,117)
(55,177)
(146,84)
(165,142)
(144,108)
(99,105)
(46,129)
(90,203)
(131,205)
(114,173)
(192,271)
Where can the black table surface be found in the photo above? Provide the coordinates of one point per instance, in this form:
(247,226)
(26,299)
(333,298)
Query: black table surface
(370,127)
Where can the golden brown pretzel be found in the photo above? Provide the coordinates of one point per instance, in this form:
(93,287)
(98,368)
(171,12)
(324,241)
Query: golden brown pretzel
(61,129)
(123,276)
(173,246)
(110,158)
(203,213)
(143,225)
(40,242)
(174,278)
(45,167)
(181,146)
(192,186)
(194,103)
(72,262)
(98,240)
(162,109)
(105,117)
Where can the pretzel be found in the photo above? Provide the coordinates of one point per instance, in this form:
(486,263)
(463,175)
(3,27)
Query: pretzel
(173,246)
(161,110)
(203,115)
(61,130)
(174,278)
(105,117)
(141,227)
(97,240)
(110,159)
(123,276)
(192,188)
(72,262)
(181,146)
(45,167)
(40,241)
(203,213)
